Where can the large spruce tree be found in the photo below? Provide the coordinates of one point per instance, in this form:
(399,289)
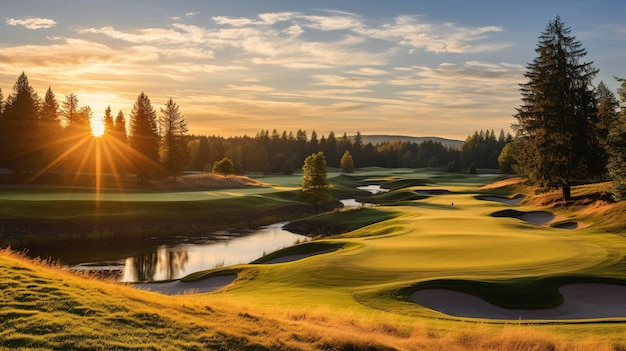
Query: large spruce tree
(173,127)
(556,123)
(144,138)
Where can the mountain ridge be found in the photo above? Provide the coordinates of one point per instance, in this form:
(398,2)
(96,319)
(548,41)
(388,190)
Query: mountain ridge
(382,138)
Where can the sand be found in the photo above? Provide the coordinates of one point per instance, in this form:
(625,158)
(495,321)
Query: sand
(582,301)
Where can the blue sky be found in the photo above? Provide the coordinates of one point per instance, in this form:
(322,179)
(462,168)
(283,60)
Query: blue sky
(421,68)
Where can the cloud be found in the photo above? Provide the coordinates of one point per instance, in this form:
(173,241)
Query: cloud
(32,22)
(368,71)
(349,82)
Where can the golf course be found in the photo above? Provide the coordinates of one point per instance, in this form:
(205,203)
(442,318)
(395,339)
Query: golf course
(443,261)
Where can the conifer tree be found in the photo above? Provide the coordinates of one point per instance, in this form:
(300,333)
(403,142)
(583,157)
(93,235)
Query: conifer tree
(20,122)
(109,123)
(120,128)
(50,131)
(144,138)
(173,127)
(616,148)
(556,124)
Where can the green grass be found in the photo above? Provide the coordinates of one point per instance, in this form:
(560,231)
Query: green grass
(339,222)
(355,298)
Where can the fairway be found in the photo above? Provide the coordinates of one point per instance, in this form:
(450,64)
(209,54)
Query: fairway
(448,233)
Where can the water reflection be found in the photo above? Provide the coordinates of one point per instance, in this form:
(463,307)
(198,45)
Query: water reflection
(173,262)
(373,188)
(163,264)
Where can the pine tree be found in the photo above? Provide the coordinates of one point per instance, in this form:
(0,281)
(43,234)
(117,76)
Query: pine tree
(616,149)
(608,106)
(315,184)
(109,123)
(173,127)
(556,124)
(20,122)
(144,138)
(50,131)
(120,128)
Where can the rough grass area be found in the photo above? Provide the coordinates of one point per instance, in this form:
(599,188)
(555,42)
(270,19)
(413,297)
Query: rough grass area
(338,222)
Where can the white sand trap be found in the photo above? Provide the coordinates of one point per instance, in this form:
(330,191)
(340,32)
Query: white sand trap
(581,301)
(178,287)
(291,258)
(514,201)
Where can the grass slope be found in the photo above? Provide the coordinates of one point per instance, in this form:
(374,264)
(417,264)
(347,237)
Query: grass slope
(350,299)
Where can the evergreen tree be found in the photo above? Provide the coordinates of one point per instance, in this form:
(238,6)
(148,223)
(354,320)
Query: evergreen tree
(20,123)
(144,138)
(50,132)
(120,128)
(119,145)
(556,124)
(109,123)
(74,120)
(173,127)
(616,148)
(608,106)
(347,164)
(315,184)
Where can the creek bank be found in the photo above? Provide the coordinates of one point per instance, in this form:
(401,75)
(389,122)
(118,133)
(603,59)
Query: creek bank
(22,233)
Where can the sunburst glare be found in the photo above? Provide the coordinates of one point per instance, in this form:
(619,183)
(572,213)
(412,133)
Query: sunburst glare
(97,127)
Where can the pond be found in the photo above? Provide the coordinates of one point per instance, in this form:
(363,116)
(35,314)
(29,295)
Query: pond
(373,188)
(134,262)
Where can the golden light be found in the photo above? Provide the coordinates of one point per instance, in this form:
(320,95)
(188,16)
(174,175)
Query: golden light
(97,127)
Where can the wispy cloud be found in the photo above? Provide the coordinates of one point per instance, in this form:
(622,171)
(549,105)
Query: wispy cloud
(32,22)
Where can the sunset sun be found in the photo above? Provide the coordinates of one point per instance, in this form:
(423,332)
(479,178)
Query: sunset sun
(97,127)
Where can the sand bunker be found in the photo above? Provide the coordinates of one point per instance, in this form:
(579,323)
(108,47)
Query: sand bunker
(178,287)
(514,201)
(581,301)
(541,218)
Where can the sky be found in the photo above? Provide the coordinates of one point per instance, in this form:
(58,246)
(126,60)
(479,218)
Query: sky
(401,67)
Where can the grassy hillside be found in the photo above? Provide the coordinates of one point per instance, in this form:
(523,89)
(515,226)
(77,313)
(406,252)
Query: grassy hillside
(357,297)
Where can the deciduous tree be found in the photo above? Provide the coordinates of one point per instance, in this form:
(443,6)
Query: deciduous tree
(224,167)
(315,184)
(347,164)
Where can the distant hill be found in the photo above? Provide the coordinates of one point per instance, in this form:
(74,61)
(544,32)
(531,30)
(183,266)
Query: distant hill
(378,139)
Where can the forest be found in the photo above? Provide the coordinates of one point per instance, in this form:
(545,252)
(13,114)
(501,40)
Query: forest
(44,141)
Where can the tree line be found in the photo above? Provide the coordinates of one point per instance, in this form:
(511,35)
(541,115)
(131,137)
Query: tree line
(42,139)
